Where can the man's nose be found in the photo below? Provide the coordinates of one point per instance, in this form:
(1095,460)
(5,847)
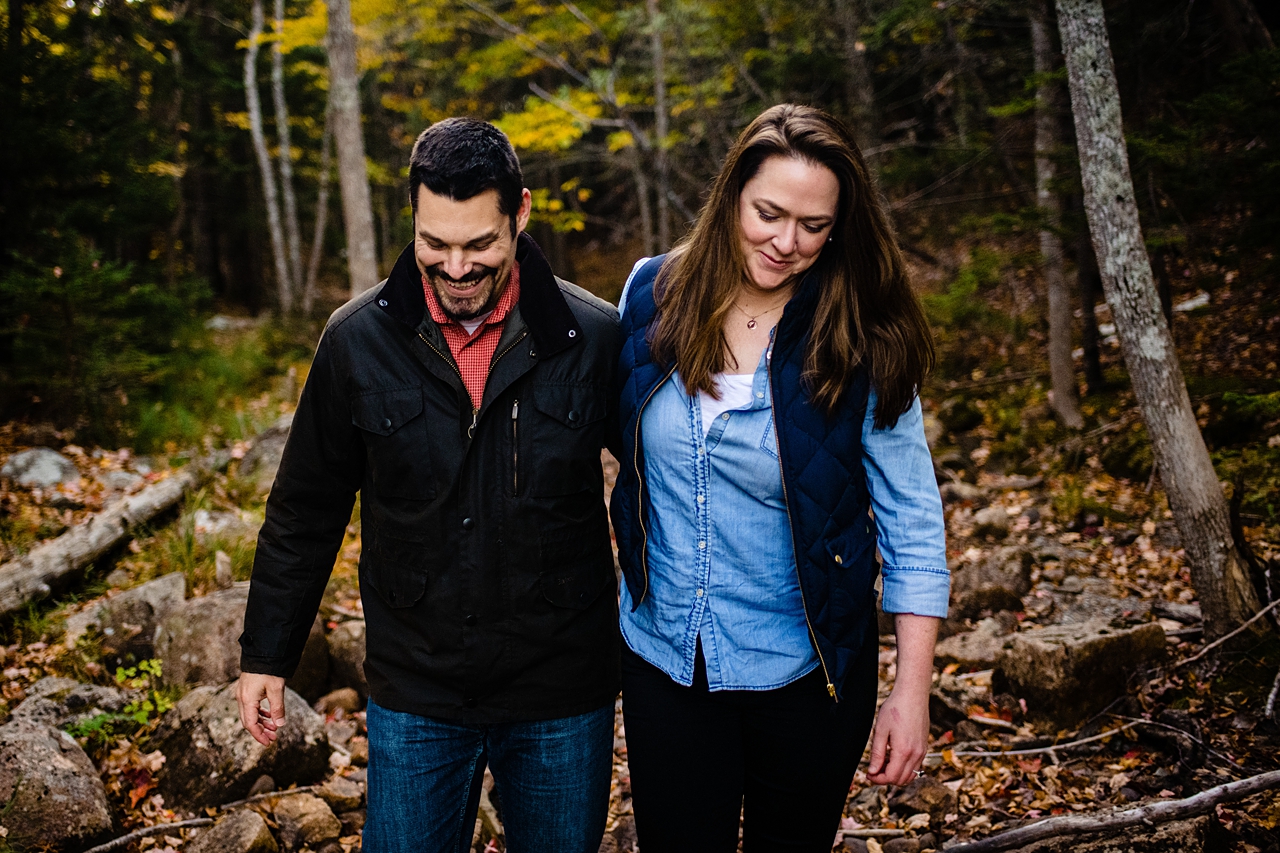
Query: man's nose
(455,264)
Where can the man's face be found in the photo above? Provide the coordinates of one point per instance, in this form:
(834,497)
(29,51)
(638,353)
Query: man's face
(466,249)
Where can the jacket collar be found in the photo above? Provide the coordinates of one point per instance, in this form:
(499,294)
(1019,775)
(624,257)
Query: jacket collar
(542,305)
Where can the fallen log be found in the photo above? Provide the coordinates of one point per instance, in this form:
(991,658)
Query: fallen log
(1147,815)
(48,566)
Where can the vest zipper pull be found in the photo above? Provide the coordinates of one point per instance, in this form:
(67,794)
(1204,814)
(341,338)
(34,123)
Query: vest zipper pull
(831,688)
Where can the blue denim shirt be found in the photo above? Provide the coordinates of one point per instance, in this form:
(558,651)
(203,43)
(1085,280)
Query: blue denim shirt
(721,563)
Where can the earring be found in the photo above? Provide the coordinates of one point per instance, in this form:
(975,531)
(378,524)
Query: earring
(829,239)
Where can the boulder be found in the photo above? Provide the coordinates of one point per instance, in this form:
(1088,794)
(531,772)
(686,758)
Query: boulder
(311,679)
(346,657)
(51,791)
(262,460)
(342,794)
(305,820)
(1067,673)
(40,468)
(991,521)
(996,582)
(211,759)
(198,640)
(119,480)
(60,702)
(222,524)
(980,647)
(126,622)
(239,831)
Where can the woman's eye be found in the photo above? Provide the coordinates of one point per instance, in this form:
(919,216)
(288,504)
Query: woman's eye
(767,217)
(815,229)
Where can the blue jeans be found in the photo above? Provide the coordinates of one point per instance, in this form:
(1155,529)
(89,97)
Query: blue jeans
(551,778)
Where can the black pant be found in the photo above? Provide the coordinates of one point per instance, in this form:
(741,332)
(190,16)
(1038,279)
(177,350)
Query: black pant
(783,759)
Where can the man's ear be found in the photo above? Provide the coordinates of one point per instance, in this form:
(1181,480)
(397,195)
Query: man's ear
(526,208)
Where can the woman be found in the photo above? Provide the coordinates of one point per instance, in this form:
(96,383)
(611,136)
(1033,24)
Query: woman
(769,372)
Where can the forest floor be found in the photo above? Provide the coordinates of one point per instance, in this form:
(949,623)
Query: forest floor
(1092,493)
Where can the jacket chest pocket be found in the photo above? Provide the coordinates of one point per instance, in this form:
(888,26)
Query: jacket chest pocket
(564,440)
(397,446)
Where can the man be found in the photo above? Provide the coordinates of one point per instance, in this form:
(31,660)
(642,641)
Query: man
(466,399)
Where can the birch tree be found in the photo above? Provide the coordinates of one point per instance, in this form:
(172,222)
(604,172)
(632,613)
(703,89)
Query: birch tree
(284,289)
(660,124)
(353,175)
(1061,370)
(1218,573)
(293,241)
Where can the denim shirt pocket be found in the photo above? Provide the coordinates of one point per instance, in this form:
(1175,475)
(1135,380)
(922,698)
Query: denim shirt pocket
(769,441)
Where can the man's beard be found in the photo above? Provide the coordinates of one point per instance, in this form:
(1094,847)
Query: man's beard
(469,307)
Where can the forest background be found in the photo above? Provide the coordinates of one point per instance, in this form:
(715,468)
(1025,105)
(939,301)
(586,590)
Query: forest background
(188,189)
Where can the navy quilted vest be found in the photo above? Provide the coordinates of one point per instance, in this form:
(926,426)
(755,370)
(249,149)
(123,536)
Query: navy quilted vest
(823,479)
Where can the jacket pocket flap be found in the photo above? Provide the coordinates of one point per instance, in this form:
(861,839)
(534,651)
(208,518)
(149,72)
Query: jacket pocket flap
(572,405)
(399,570)
(849,546)
(384,412)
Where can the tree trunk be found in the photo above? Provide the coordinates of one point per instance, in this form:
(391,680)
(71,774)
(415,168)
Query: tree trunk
(1089,284)
(1061,370)
(660,124)
(1220,577)
(861,92)
(646,209)
(284,288)
(353,176)
(293,238)
(322,212)
(1242,28)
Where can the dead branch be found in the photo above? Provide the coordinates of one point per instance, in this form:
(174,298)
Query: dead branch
(34,575)
(1263,612)
(1148,815)
(1041,750)
(124,840)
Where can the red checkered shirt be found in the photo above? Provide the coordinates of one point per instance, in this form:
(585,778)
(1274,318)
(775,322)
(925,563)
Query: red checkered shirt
(474,353)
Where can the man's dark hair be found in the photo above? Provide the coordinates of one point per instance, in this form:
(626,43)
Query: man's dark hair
(460,158)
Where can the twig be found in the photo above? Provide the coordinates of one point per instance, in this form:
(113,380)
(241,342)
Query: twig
(1263,612)
(1042,750)
(117,843)
(874,833)
(1271,697)
(268,795)
(1148,815)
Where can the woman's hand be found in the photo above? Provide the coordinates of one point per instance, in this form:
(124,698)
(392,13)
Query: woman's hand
(901,736)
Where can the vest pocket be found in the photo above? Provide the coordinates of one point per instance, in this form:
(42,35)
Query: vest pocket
(396,442)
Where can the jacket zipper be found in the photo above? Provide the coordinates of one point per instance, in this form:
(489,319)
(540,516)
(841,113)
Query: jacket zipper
(644,542)
(831,688)
(515,448)
(475,410)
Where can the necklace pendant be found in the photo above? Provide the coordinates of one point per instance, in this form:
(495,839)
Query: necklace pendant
(751,324)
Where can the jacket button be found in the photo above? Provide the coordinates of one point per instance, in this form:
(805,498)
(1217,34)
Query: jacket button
(471,621)
(467,523)
(574,416)
(386,423)
(469,703)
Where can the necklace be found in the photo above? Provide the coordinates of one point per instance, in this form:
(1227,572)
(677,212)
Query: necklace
(751,319)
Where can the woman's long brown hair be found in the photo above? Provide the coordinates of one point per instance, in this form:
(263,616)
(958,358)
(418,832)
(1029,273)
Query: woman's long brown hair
(866,311)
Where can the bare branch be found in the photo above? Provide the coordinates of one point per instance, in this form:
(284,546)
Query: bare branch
(1263,612)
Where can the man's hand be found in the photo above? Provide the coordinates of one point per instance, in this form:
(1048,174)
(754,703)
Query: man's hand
(900,739)
(263,723)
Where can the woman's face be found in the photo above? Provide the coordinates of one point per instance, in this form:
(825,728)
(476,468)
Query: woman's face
(787,211)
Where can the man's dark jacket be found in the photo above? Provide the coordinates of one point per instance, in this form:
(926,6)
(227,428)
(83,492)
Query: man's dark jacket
(486,570)
(823,480)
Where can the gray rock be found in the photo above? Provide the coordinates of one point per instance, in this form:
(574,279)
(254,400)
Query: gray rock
(1187,614)
(342,794)
(305,820)
(346,657)
(353,821)
(211,759)
(119,481)
(996,582)
(40,468)
(262,460)
(959,490)
(311,678)
(925,794)
(223,524)
(344,698)
(980,647)
(127,620)
(1067,673)
(901,845)
(52,793)
(991,521)
(239,831)
(61,702)
(198,640)
(854,845)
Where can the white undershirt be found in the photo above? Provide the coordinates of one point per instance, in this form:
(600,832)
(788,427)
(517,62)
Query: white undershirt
(474,323)
(735,393)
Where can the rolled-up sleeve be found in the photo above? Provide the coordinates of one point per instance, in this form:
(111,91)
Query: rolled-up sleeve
(910,529)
